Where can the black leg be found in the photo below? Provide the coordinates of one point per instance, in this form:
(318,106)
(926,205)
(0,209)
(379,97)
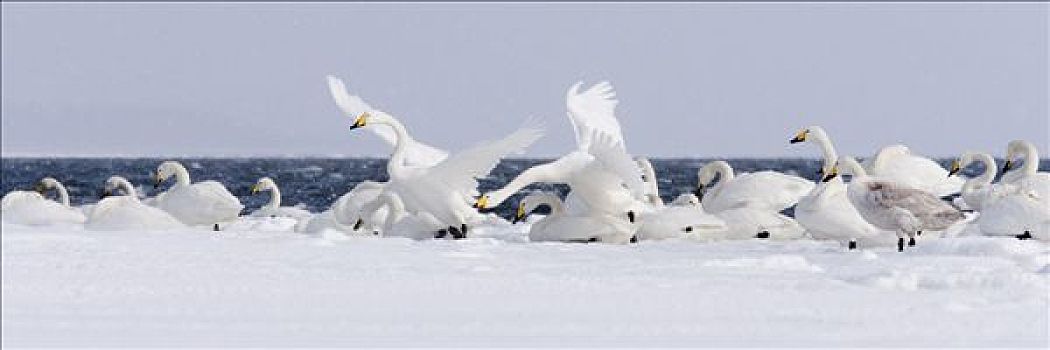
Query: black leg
(456,233)
(852,245)
(918,233)
(764,234)
(441,233)
(911,242)
(463,228)
(900,244)
(215,228)
(1026,235)
(634,239)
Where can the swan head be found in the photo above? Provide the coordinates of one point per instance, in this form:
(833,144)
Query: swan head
(482,202)
(956,166)
(800,136)
(262,185)
(165,171)
(45,184)
(361,121)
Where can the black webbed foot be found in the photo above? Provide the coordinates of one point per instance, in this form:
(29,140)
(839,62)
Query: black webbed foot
(634,239)
(441,233)
(1024,236)
(456,233)
(215,228)
(852,245)
(911,242)
(918,233)
(900,244)
(763,235)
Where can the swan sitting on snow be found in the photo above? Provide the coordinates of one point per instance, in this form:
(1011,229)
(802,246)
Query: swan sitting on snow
(1027,177)
(33,208)
(1005,209)
(127,212)
(892,206)
(202,203)
(562,227)
(342,214)
(826,211)
(761,190)
(273,208)
(684,218)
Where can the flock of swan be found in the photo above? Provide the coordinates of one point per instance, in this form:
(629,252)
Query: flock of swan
(614,198)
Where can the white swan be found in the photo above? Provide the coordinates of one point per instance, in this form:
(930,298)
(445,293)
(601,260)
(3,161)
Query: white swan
(1005,209)
(683,219)
(1027,177)
(762,190)
(892,206)
(342,214)
(33,208)
(127,212)
(898,164)
(398,222)
(602,176)
(202,203)
(826,211)
(979,190)
(562,227)
(415,153)
(445,190)
(273,208)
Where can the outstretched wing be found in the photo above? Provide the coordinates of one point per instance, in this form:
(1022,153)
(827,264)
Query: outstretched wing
(416,153)
(460,171)
(592,112)
(611,154)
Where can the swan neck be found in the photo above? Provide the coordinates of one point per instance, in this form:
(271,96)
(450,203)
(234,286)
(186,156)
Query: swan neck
(63,195)
(850,165)
(1031,159)
(397,159)
(650,176)
(182,177)
(725,175)
(275,198)
(826,147)
(128,188)
(552,201)
(532,175)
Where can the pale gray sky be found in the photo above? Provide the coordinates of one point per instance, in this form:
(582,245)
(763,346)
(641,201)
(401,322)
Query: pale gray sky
(703,80)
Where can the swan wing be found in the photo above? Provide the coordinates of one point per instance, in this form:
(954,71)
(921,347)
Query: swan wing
(934,212)
(592,111)
(898,163)
(610,153)
(416,153)
(460,171)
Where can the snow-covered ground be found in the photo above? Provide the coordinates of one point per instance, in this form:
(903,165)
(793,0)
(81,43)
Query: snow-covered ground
(69,287)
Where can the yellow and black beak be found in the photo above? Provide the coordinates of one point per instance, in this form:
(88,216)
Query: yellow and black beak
(482,202)
(40,188)
(255,189)
(104,194)
(1008,165)
(956,166)
(520,215)
(361,121)
(800,136)
(834,172)
(157,181)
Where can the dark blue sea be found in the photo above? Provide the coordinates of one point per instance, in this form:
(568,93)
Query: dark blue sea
(317,182)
